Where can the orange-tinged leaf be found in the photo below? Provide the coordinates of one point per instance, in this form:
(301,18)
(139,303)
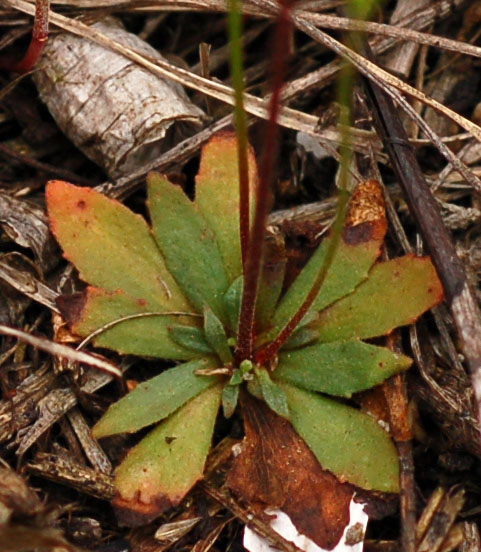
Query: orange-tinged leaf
(150,336)
(111,247)
(396,293)
(165,465)
(358,249)
(217,196)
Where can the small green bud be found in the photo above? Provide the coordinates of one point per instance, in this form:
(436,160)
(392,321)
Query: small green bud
(246,366)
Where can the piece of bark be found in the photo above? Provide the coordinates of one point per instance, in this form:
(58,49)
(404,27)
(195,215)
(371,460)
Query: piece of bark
(70,473)
(90,446)
(26,225)
(18,411)
(54,405)
(116,112)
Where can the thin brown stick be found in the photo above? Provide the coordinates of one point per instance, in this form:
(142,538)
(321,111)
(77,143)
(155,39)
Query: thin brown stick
(62,351)
(398,31)
(290,118)
(459,296)
(395,392)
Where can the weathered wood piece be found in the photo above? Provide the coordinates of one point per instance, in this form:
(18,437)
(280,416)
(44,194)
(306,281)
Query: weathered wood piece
(116,112)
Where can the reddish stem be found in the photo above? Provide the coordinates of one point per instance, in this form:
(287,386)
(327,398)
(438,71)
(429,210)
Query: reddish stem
(254,254)
(244,214)
(270,351)
(37,44)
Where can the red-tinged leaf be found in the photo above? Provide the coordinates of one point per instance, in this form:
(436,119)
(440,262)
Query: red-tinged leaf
(396,293)
(217,196)
(150,336)
(339,368)
(111,247)
(158,473)
(344,440)
(359,247)
(188,245)
(276,469)
(155,399)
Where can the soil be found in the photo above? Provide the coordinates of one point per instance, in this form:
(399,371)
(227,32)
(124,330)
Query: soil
(57,482)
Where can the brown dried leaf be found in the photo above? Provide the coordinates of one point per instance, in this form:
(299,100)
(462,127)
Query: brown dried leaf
(277,469)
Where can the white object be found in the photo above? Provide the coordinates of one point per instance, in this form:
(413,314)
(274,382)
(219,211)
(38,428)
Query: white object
(281,523)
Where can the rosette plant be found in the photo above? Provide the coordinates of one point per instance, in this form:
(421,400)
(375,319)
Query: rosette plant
(180,289)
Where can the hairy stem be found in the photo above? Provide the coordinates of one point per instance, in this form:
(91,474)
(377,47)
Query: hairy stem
(271,350)
(254,256)
(37,43)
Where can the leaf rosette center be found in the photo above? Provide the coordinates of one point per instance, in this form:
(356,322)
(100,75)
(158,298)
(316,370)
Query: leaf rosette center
(174,290)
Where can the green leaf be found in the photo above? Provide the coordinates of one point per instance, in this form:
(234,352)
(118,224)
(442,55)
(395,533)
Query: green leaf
(236,378)
(396,293)
(216,337)
(339,368)
(272,393)
(190,338)
(165,465)
(344,440)
(217,196)
(271,279)
(155,399)
(111,247)
(188,245)
(301,338)
(254,388)
(230,396)
(149,336)
(232,302)
(358,249)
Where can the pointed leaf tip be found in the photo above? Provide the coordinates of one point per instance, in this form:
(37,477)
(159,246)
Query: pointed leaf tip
(96,232)
(188,244)
(396,293)
(346,441)
(217,195)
